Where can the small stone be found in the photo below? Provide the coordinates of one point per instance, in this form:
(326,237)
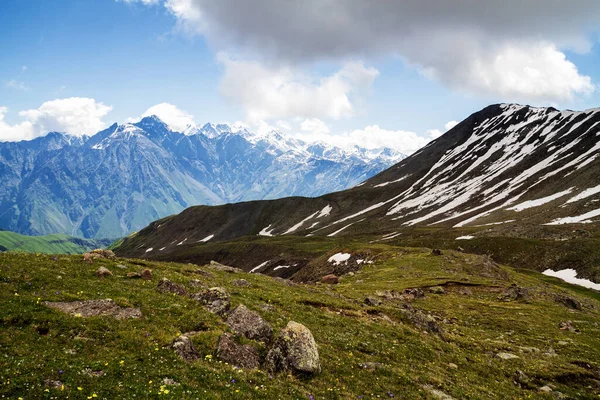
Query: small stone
(452,366)
(567,326)
(295,350)
(52,384)
(436,252)
(215,300)
(372,301)
(121,266)
(506,356)
(169,382)
(249,324)
(166,286)
(195,283)
(103,272)
(243,356)
(221,267)
(185,349)
(437,290)
(92,373)
(146,274)
(371,366)
(515,292)
(241,283)
(545,389)
(330,279)
(133,275)
(465,291)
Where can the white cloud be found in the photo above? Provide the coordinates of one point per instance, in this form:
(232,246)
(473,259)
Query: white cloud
(145,2)
(174,117)
(315,126)
(434,133)
(15,84)
(510,49)
(76,115)
(281,92)
(450,124)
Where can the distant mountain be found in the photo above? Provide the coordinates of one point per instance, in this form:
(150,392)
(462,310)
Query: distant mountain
(49,244)
(126,176)
(507,171)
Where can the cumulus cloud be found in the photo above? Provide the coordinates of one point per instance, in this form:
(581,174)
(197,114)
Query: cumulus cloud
(511,49)
(76,115)
(450,124)
(266,92)
(174,117)
(314,125)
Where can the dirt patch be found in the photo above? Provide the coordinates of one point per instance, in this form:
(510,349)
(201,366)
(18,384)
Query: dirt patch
(95,308)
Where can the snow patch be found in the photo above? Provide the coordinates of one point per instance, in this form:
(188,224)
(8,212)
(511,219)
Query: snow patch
(280,267)
(339,258)
(570,275)
(149,250)
(259,266)
(538,202)
(180,243)
(325,211)
(581,219)
(585,194)
(467,237)
(206,239)
(266,231)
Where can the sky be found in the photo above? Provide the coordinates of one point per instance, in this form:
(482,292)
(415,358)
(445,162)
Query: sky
(348,72)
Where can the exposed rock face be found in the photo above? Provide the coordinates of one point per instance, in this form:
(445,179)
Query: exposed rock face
(103,272)
(515,292)
(244,356)
(185,349)
(226,268)
(330,279)
(295,351)
(94,308)
(146,274)
(569,302)
(567,326)
(166,286)
(215,300)
(249,324)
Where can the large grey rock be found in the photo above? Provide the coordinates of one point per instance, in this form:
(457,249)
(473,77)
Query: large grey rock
(166,286)
(244,356)
(215,300)
(185,349)
(249,324)
(295,350)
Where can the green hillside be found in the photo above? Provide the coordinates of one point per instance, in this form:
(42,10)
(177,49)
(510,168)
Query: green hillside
(465,334)
(49,244)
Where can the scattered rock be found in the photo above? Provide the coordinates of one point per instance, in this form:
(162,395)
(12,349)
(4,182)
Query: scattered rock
(92,373)
(104,254)
(515,292)
(436,252)
(295,350)
(215,300)
(121,266)
(568,326)
(412,294)
(465,291)
(185,349)
(421,320)
(133,275)
(330,279)
(244,356)
(195,283)
(241,283)
(371,366)
(94,308)
(146,274)
(372,301)
(220,267)
(203,273)
(103,272)
(437,290)
(249,324)
(452,366)
(545,389)
(284,281)
(169,382)
(166,286)
(52,384)
(569,302)
(438,394)
(506,356)
(267,307)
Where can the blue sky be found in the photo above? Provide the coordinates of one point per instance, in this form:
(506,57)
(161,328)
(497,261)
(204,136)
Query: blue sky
(299,68)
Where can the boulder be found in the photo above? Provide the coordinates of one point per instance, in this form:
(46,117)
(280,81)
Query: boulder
(221,267)
(185,349)
(103,272)
(437,290)
(421,320)
(241,283)
(166,286)
(567,326)
(215,300)
(506,356)
(411,294)
(436,252)
(372,301)
(330,279)
(146,274)
(514,292)
(243,356)
(569,302)
(133,275)
(249,324)
(295,350)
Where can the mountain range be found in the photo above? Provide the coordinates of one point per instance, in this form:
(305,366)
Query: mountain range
(508,171)
(124,177)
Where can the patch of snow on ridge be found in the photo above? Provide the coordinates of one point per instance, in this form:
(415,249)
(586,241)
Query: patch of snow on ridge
(467,237)
(389,182)
(280,267)
(538,202)
(149,250)
(570,275)
(259,267)
(340,230)
(585,194)
(339,258)
(581,219)
(266,232)
(325,211)
(180,243)
(299,224)
(206,239)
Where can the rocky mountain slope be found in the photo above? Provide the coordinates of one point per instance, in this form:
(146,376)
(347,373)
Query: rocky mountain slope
(126,176)
(514,170)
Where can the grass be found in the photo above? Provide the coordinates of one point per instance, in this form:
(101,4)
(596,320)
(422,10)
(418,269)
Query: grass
(38,343)
(49,244)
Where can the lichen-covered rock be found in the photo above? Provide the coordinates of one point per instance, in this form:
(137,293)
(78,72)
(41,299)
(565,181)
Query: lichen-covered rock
(437,290)
(146,274)
(215,300)
(241,283)
(295,350)
(372,301)
(243,356)
(185,349)
(195,283)
(330,279)
(103,272)
(421,320)
(569,302)
(221,267)
(515,292)
(249,324)
(166,286)
(94,308)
